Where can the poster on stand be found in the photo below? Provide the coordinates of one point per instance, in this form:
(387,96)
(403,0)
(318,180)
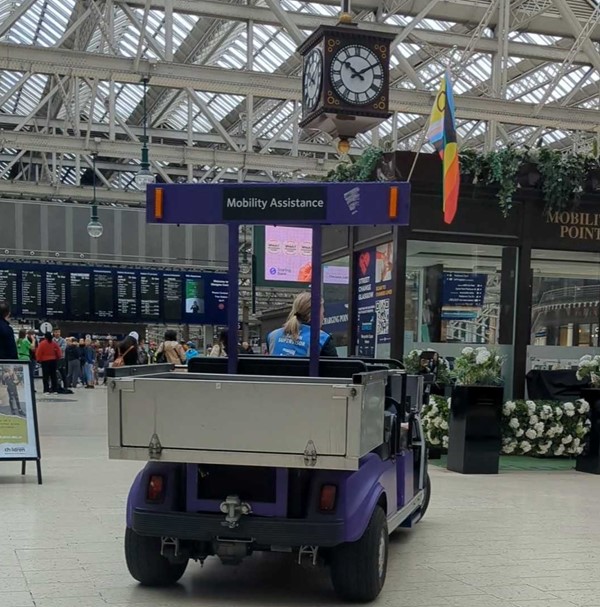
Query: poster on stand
(18,421)
(375,267)
(384,269)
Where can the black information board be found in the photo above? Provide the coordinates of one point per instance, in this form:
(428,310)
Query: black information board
(80,286)
(31,293)
(104,295)
(172,296)
(56,294)
(127,298)
(9,279)
(150,295)
(463,289)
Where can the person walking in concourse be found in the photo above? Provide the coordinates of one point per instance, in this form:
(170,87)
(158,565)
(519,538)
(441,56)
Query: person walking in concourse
(8,345)
(73,364)
(48,354)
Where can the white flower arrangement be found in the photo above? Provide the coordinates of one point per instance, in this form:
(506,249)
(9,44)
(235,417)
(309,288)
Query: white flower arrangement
(589,370)
(528,427)
(478,367)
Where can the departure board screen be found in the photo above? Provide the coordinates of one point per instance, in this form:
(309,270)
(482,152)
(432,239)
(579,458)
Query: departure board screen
(172,293)
(8,288)
(127,307)
(104,295)
(56,294)
(80,283)
(150,295)
(31,293)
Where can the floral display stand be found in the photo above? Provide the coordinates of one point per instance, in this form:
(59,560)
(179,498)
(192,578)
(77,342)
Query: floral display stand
(475,439)
(589,460)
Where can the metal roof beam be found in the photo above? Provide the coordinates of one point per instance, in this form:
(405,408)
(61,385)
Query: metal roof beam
(173,137)
(274,86)
(32,190)
(454,12)
(173,171)
(183,155)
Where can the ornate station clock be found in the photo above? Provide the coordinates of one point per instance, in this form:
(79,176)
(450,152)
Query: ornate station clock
(312,79)
(345,80)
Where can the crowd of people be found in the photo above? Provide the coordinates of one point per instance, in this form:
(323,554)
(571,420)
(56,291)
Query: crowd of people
(71,362)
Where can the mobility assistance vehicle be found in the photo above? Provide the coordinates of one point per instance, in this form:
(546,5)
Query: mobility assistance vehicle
(323,459)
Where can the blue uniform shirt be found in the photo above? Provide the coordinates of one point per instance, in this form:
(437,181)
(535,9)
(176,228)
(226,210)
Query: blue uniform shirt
(281,344)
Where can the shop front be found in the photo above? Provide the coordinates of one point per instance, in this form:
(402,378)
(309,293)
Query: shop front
(526,286)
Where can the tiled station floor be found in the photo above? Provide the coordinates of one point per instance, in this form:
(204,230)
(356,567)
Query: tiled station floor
(520,539)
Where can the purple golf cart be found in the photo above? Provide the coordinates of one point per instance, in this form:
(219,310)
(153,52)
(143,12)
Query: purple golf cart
(323,459)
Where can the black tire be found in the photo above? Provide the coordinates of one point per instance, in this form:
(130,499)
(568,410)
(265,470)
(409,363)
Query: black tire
(425,505)
(146,564)
(358,569)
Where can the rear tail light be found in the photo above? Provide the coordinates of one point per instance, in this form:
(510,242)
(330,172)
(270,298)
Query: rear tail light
(328,498)
(156,489)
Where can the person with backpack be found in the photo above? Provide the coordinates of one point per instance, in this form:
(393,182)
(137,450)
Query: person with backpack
(219,350)
(127,351)
(170,351)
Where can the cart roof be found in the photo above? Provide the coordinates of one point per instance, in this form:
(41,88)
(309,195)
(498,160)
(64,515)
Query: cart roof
(378,203)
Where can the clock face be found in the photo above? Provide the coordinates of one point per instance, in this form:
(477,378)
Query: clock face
(357,74)
(312,79)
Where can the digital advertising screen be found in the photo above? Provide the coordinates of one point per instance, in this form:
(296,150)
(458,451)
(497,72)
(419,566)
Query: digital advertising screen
(31,293)
(104,294)
(194,295)
(80,286)
(150,295)
(283,256)
(56,294)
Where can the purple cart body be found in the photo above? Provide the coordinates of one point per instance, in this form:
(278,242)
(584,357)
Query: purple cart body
(388,490)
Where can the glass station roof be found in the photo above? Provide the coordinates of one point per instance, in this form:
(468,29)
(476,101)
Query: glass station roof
(32,101)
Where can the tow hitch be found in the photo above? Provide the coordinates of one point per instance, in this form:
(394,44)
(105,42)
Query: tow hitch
(234,509)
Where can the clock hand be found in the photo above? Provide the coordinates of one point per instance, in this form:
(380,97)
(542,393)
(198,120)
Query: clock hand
(354,72)
(369,67)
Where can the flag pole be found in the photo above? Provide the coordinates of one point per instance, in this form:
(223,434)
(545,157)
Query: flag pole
(419,147)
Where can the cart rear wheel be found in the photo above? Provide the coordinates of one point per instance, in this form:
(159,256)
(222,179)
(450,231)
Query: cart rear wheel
(358,569)
(146,564)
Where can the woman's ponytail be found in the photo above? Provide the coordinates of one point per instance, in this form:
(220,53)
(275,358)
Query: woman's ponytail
(299,314)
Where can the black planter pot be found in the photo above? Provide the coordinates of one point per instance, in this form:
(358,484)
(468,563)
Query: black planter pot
(528,175)
(589,461)
(396,166)
(434,453)
(474,437)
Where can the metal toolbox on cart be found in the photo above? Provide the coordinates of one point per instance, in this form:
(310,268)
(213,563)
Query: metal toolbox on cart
(294,422)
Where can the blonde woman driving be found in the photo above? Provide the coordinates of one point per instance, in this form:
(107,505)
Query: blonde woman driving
(293,339)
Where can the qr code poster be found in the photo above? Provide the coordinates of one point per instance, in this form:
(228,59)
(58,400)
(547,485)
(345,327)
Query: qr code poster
(382,311)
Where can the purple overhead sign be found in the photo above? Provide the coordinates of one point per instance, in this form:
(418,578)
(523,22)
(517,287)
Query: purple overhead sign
(376,203)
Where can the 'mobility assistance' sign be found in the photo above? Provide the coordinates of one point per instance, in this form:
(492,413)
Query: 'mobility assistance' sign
(275,204)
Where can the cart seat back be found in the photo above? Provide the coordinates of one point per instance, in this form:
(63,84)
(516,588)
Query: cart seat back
(280,366)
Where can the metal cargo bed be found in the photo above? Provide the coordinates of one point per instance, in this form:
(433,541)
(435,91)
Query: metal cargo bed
(293,422)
